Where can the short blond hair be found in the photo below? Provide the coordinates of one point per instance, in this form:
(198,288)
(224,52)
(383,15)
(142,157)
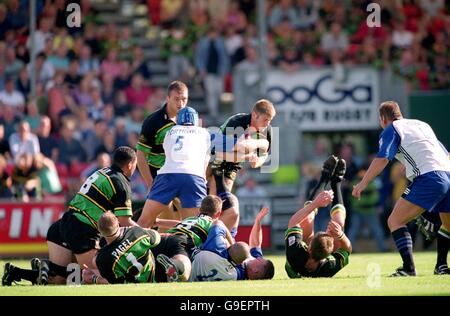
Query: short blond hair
(390,110)
(108,224)
(264,106)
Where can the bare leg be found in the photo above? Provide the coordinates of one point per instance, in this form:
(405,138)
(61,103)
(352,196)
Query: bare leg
(60,256)
(150,212)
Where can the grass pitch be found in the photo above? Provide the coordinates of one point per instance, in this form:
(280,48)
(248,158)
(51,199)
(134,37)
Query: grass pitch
(366,274)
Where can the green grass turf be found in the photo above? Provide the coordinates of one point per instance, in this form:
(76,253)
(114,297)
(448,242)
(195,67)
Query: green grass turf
(360,277)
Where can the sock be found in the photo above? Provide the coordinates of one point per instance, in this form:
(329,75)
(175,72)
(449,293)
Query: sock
(443,243)
(319,187)
(29,275)
(56,269)
(336,187)
(403,242)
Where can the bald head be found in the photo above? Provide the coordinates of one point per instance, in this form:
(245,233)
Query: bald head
(239,252)
(108,224)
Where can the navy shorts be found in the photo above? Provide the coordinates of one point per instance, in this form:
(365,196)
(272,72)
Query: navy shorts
(430,191)
(190,189)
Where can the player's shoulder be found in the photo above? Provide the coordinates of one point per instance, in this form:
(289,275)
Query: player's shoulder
(157,118)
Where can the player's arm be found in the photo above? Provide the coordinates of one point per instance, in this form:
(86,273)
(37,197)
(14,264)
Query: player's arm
(92,276)
(256,235)
(323,199)
(389,143)
(144,170)
(165,224)
(336,231)
(144,148)
(122,205)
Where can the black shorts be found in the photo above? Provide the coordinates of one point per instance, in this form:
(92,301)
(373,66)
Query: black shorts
(170,245)
(296,250)
(71,233)
(225,169)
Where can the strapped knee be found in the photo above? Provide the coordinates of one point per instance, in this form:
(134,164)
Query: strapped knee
(338,208)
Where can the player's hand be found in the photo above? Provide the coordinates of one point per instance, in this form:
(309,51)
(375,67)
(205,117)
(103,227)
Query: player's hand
(334,229)
(262,213)
(358,189)
(323,199)
(87,274)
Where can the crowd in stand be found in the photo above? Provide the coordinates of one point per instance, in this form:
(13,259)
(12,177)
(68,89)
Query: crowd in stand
(94,83)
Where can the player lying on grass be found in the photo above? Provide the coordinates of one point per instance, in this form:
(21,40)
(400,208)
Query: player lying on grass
(218,261)
(129,256)
(325,253)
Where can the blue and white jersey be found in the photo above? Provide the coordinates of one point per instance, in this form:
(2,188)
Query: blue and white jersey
(415,145)
(187,150)
(212,262)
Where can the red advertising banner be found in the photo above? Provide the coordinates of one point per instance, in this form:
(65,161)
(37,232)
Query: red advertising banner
(24,226)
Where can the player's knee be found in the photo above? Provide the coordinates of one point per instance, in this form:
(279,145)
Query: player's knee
(393,223)
(229,201)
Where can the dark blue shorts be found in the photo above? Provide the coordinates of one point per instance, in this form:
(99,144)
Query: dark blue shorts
(430,191)
(190,189)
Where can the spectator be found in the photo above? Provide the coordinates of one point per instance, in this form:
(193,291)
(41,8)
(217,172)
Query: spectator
(4,144)
(17,17)
(9,119)
(70,149)
(72,77)
(139,64)
(364,213)
(213,64)
(42,35)
(109,143)
(25,179)
(44,70)
(111,65)
(87,63)
(23,82)
(177,50)
(124,79)
(335,39)
(121,134)
(10,97)
(13,65)
(307,14)
(401,37)
(94,139)
(251,190)
(33,117)
(23,142)
(5,24)
(47,143)
(103,160)
(138,93)
(5,180)
(432,7)
(281,11)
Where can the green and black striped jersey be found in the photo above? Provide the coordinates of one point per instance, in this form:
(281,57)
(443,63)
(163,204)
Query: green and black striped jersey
(297,255)
(129,258)
(151,139)
(195,227)
(107,189)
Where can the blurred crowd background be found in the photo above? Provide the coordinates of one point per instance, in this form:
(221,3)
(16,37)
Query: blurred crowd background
(96,83)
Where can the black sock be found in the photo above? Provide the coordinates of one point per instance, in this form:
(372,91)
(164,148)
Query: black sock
(403,242)
(29,275)
(319,187)
(336,187)
(56,269)
(443,243)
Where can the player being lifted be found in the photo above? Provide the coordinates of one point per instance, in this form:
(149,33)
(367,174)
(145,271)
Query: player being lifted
(252,138)
(325,253)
